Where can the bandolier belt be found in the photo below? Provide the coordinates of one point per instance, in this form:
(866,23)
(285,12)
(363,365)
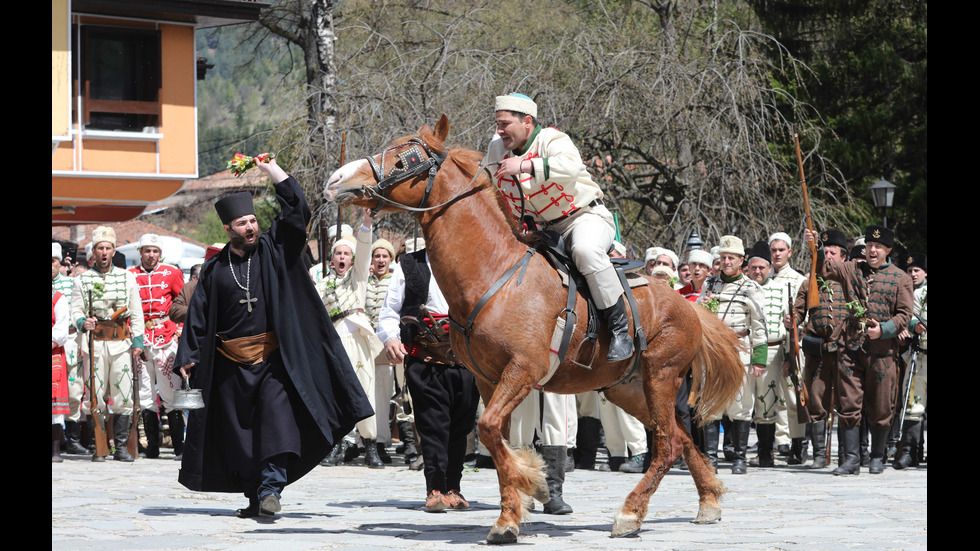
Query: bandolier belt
(248,350)
(156,321)
(111,330)
(345,313)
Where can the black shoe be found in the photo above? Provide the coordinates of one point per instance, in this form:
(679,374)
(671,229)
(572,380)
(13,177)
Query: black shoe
(615,463)
(351,452)
(336,453)
(383,453)
(620,342)
(151,426)
(248,512)
(484,462)
(269,506)
(371,458)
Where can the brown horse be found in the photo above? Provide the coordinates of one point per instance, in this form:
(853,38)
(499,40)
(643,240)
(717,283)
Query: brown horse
(471,241)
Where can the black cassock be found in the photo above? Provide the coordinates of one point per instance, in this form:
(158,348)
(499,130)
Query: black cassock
(302,399)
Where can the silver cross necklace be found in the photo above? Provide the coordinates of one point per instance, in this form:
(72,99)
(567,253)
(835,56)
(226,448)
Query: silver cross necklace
(248,300)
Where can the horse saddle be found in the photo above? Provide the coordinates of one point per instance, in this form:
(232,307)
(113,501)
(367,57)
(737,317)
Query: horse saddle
(552,246)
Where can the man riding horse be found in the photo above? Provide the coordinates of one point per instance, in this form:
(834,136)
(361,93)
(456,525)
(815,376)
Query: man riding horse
(542,178)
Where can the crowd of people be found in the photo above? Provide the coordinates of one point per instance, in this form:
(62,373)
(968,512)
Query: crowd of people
(254,326)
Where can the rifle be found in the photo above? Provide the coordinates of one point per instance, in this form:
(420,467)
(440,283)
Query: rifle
(907,380)
(98,423)
(813,293)
(795,373)
(343,146)
(132,443)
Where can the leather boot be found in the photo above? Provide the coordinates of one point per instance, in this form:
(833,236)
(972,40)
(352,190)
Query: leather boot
(371,458)
(56,443)
(407,434)
(73,434)
(850,445)
(767,436)
(709,438)
(865,437)
(818,435)
(879,441)
(910,443)
(587,443)
(727,445)
(620,342)
(175,418)
(554,458)
(120,433)
(797,452)
(336,454)
(741,441)
(151,426)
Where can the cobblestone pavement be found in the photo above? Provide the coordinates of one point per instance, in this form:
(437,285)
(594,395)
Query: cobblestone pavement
(121,506)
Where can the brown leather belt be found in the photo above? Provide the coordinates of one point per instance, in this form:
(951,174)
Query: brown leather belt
(345,313)
(248,350)
(594,203)
(111,330)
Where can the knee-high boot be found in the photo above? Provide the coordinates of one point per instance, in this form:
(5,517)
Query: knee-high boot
(910,442)
(710,434)
(818,435)
(554,458)
(151,426)
(741,441)
(120,433)
(850,444)
(175,418)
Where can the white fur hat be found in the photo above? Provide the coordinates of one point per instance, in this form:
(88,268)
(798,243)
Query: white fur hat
(782,236)
(671,274)
(150,239)
(56,251)
(103,233)
(654,252)
(516,102)
(730,244)
(651,254)
(345,240)
(700,256)
(344,230)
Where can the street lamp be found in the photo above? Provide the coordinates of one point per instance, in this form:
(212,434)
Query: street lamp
(695,242)
(882,196)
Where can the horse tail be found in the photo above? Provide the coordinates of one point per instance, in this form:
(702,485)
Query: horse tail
(717,368)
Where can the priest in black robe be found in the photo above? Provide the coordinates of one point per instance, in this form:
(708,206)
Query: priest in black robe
(278,388)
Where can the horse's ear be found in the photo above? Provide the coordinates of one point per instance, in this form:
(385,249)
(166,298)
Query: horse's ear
(442,128)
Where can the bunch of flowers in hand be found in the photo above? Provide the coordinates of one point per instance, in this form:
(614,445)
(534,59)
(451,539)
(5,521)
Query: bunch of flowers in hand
(241,163)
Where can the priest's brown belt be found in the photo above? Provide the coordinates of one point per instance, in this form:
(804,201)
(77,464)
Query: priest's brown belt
(248,350)
(111,330)
(345,313)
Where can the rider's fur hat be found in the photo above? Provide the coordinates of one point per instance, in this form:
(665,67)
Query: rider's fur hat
(516,102)
(103,233)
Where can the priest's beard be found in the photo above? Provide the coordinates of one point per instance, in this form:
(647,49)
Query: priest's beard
(240,243)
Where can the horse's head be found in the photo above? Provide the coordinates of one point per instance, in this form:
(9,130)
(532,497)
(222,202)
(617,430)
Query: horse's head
(400,176)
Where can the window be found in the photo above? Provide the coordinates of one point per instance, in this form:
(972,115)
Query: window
(120,78)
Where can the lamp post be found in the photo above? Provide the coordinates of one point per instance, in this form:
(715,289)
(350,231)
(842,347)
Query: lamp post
(694,241)
(882,196)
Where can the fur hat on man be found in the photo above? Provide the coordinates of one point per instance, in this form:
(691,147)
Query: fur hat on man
(761,250)
(103,233)
(782,237)
(700,256)
(56,251)
(730,244)
(150,239)
(834,237)
(516,102)
(918,260)
(383,244)
(880,234)
(344,230)
(345,240)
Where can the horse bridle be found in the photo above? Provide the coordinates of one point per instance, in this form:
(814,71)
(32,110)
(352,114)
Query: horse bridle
(413,165)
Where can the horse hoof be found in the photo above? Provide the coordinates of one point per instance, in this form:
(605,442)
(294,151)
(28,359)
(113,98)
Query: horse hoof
(502,534)
(708,515)
(625,525)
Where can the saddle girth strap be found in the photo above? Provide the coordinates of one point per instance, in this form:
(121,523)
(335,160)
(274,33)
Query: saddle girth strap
(465,330)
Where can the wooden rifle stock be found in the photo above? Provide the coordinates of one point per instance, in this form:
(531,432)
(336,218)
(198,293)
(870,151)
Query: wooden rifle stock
(813,293)
(98,426)
(794,350)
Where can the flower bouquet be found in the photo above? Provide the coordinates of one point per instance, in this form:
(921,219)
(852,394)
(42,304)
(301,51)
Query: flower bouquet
(241,163)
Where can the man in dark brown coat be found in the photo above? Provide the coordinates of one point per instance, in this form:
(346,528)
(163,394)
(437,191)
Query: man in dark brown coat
(878,296)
